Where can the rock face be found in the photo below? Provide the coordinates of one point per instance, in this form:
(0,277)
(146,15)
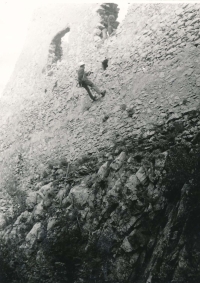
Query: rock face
(105,191)
(137,222)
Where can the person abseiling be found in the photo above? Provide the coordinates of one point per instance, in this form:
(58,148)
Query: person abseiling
(86,83)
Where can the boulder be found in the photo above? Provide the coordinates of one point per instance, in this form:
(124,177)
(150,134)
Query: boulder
(118,162)
(44,190)
(66,202)
(41,234)
(79,196)
(51,223)
(142,176)
(103,171)
(126,246)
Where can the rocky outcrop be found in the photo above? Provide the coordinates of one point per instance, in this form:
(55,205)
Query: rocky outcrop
(128,214)
(105,191)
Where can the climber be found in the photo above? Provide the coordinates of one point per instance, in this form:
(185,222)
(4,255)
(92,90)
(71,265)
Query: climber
(104,33)
(85,82)
(111,24)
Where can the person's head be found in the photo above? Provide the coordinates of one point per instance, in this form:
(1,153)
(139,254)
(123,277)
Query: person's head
(82,64)
(111,19)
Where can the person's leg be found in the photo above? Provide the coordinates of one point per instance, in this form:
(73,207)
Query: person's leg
(104,33)
(88,91)
(110,30)
(96,89)
(93,86)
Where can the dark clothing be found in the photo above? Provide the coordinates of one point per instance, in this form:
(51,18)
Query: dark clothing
(88,82)
(81,74)
(88,90)
(85,82)
(110,29)
(82,77)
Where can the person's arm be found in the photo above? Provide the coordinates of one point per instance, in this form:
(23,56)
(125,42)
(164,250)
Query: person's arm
(88,73)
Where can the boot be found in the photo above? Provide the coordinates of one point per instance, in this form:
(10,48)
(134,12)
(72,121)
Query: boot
(96,89)
(103,93)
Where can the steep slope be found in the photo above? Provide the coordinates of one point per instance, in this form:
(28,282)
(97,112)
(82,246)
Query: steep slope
(105,191)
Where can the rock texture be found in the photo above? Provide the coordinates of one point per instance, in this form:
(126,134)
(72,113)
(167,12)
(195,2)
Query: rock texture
(105,191)
(93,221)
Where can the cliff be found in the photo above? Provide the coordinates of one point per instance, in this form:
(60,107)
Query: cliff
(104,191)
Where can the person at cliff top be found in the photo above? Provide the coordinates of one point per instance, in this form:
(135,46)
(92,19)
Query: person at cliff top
(85,82)
(111,24)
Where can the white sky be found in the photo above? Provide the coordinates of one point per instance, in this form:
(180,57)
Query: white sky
(14,16)
(14,19)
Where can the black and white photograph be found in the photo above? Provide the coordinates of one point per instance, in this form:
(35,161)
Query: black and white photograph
(99,141)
